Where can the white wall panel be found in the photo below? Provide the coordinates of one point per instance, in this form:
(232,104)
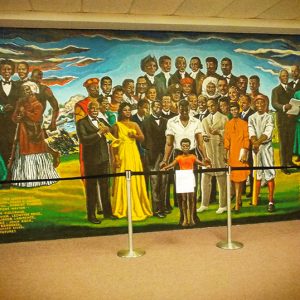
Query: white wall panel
(246,8)
(158,7)
(14,5)
(57,5)
(106,6)
(284,10)
(202,8)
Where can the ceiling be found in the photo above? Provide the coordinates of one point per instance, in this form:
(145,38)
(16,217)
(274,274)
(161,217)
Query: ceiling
(268,16)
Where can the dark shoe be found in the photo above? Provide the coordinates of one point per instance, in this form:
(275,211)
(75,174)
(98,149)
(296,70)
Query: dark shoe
(5,186)
(111,217)
(99,212)
(271,207)
(94,220)
(159,215)
(286,171)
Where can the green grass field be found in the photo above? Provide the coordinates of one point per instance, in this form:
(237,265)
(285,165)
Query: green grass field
(58,211)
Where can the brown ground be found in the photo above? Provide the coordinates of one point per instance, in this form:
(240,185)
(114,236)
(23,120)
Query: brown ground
(184,264)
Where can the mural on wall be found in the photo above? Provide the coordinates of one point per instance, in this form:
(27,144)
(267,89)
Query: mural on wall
(89,102)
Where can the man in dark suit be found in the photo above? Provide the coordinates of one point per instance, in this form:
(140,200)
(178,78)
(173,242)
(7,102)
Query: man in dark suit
(166,107)
(196,74)
(281,96)
(161,80)
(96,161)
(141,88)
(154,128)
(9,94)
(247,111)
(180,64)
(106,87)
(149,66)
(202,108)
(226,66)
(242,84)
(211,67)
(23,71)
(295,73)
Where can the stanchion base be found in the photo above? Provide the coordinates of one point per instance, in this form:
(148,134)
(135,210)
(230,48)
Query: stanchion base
(131,254)
(230,246)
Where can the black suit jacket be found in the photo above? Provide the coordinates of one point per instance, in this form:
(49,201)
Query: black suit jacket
(280,97)
(94,147)
(232,81)
(296,88)
(155,138)
(246,116)
(198,82)
(201,117)
(169,116)
(135,119)
(161,84)
(176,77)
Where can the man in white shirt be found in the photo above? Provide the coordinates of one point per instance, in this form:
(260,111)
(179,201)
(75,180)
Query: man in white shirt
(179,127)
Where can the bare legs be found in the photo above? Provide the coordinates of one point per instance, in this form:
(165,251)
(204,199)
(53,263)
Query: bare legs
(238,195)
(188,209)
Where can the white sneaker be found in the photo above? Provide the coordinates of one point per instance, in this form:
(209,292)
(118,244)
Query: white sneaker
(221,210)
(202,208)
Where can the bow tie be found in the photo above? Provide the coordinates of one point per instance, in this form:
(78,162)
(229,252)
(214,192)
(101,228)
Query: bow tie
(156,118)
(94,119)
(6,82)
(227,77)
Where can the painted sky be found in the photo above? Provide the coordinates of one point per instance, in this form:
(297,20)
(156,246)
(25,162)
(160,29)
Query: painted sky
(69,57)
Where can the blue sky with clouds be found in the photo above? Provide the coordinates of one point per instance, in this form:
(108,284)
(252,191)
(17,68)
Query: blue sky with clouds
(77,55)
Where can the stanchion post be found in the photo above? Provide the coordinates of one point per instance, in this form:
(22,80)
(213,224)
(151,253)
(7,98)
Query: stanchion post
(130,253)
(254,191)
(229,244)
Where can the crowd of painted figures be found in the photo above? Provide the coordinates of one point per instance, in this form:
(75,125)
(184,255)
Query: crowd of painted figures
(159,121)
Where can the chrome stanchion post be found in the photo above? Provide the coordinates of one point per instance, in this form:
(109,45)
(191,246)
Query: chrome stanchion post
(229,244)
(130,253)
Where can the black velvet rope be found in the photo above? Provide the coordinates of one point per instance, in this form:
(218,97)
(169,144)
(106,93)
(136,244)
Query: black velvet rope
(149,173)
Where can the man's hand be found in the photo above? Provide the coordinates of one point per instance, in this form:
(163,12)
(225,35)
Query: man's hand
(8,108)
(162,164)
(287,107)
(103,129)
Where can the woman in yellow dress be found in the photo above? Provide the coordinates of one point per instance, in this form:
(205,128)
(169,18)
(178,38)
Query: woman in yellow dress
(127,157)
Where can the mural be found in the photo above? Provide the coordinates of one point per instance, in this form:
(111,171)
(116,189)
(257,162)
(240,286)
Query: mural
(89,102)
